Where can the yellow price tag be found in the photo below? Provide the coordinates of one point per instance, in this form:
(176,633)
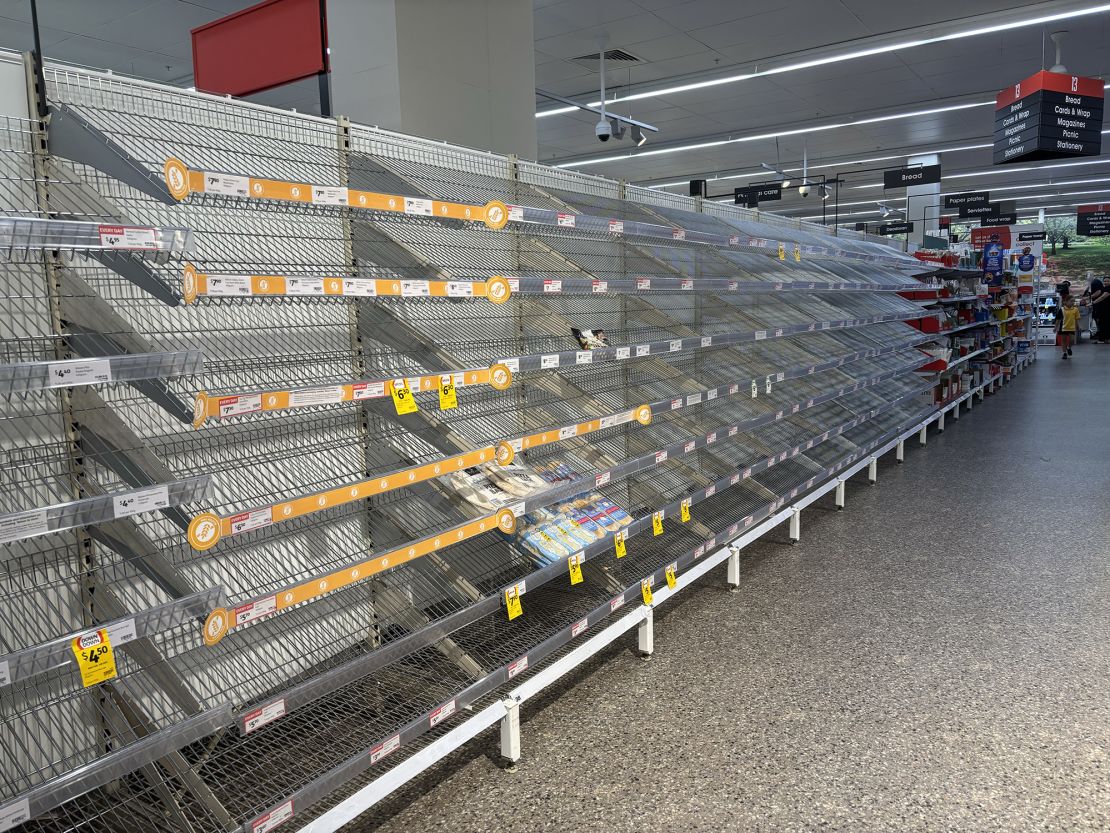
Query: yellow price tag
(657,522)
(575,564)
(684,510)
(618,542)
(512,603)
(645,590)
(782,251)
(797,253)
(448,398)
(403,399)
(672,579)
(93,653)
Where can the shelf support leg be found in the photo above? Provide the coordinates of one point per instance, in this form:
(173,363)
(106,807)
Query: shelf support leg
(734,570)
(956,412)
(796,526)
(900,452)
(646,635)
(840,491)
(940,423)
(922,435)
(873,470)
(510,731)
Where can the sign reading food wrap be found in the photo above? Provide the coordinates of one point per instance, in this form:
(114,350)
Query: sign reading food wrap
(1049,115)
(968,199)
(1093,220)
(998,220)
(904,177)
(895,228)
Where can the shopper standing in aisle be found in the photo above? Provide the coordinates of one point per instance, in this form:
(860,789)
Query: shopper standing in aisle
(1069,324)
(1100,310)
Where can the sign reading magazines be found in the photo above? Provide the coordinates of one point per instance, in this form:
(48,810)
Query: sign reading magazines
(1093,220)
(1049,115)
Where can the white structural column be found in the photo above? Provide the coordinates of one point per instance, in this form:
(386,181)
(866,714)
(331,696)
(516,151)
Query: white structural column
(923,202)
(463,72)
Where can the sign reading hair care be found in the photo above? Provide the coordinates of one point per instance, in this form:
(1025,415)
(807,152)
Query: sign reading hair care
(1049,115)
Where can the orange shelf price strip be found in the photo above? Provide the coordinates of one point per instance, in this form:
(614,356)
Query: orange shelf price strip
(221,620)
(207,529)
(196,284)
(183,181)
(227,406)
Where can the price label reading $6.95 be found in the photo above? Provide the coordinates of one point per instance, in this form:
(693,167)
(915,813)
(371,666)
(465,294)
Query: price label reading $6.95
(93,652)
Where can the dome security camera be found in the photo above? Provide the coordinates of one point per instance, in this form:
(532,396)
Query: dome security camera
(603,130)
(803,190)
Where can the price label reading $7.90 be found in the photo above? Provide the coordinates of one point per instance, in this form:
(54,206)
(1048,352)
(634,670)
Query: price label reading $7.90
(575,564)
(403,399)
(672,578)
(93,652)
(684,510)
(645,590)
(448,398)
(619,542)
(657,522)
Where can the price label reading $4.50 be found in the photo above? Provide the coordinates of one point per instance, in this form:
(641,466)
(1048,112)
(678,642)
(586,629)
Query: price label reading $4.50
(403,399)
(93,652)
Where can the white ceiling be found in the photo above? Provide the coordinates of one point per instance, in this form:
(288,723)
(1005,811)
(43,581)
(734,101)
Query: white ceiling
(679,41)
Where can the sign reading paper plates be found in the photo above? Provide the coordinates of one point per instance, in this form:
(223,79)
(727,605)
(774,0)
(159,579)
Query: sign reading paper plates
(1049,115)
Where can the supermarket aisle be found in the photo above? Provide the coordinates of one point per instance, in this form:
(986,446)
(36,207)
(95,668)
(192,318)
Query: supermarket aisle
(934,658)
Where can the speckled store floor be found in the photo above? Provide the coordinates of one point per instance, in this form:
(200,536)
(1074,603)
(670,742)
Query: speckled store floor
(935,658)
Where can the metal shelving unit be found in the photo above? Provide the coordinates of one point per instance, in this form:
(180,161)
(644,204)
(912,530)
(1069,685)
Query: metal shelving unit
(334,594)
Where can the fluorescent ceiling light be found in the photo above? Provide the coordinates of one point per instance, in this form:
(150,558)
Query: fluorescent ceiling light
(759,136)
(845,56)
(1004,170)
(750,174)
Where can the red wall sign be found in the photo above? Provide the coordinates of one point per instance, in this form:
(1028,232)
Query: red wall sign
(265,46)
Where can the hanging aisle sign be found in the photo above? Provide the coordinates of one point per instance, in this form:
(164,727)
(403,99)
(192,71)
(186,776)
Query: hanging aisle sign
(905,177)
(1049,115)
(971,198)
(888,229)
(753,195)
(1093,220)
